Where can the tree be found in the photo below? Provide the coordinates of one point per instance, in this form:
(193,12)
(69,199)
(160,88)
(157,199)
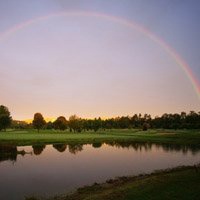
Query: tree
(38,121)
(145,126)
(49,125)
(5,118)
(96,125)
(16,124)
(60,123)
(135,121)
(75,123)
(124,122)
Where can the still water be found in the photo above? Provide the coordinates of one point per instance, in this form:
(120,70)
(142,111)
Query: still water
(54,169)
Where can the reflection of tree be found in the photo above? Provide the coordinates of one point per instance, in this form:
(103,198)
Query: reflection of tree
(8,152)
(148,146)
(129,145)
(75,148)
(60,147)
(97,144)
(38,149)
(182,148)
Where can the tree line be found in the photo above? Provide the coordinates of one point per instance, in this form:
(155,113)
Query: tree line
(183,120)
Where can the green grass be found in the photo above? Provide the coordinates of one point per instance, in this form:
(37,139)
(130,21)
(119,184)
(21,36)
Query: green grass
(30,137)
(179,183)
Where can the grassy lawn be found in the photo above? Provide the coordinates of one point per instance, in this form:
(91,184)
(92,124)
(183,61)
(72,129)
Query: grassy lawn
(30,137)
(179,183)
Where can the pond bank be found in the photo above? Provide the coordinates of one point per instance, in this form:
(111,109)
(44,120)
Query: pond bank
(177,183)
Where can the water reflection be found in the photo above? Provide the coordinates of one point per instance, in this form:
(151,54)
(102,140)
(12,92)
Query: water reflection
(10,152)
(60,147)
(97,145)
(58,168)
(148,146)
(75,148)
(72,148)
(38,149)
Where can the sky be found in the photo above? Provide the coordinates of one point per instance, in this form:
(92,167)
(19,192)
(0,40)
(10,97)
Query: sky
(64,57)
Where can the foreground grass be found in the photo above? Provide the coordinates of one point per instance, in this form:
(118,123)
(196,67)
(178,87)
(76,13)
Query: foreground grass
(31,137)
(178,183)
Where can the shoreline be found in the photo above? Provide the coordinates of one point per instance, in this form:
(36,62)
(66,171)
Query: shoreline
(120,187)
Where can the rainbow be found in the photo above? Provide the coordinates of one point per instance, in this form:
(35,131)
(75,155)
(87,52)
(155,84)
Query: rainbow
(131,24)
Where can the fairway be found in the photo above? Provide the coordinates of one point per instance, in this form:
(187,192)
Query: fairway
(29,137)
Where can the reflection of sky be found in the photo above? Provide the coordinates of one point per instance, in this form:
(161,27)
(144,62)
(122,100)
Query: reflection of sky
(53,172)
(96,67)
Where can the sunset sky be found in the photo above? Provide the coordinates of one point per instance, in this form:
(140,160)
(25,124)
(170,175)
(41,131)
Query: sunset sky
(94,64)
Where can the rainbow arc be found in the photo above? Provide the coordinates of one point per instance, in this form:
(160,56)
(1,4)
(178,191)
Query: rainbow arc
(131,24)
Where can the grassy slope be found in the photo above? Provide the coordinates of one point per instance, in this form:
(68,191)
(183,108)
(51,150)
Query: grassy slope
(29,137)
(182,183)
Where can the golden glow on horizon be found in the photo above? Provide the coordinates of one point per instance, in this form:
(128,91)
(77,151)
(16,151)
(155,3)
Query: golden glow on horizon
(52,119)
(48,119)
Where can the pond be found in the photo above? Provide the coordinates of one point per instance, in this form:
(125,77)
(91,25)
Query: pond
(54,169)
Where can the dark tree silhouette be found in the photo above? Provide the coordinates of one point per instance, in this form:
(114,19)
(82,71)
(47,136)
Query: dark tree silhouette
(96,124)
(5,118)
(49,125)
(145,126)
(16,124)
(60,123)
(75,123)
(38,121)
